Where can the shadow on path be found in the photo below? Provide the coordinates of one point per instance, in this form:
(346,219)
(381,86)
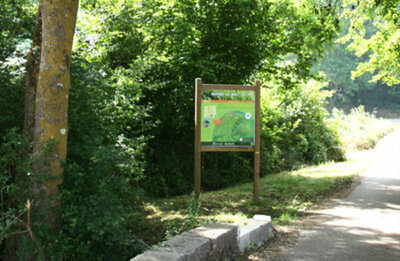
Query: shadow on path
(363,226)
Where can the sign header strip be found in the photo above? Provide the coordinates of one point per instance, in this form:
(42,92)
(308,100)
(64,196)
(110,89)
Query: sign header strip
(227,87)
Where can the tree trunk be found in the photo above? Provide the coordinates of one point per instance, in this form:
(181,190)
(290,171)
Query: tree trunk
(31,78)
(51,104)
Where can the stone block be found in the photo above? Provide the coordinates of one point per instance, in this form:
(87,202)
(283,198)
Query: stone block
(165,254)
(223,239)
(192,246)
(255,233)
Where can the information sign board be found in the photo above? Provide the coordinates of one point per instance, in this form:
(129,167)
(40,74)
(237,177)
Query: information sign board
(227,118)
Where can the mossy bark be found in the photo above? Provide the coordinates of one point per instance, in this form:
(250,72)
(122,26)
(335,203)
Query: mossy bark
(51,103)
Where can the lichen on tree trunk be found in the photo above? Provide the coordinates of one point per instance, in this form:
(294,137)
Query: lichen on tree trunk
(51,104)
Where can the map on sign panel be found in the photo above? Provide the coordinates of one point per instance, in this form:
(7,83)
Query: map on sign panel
(227,118)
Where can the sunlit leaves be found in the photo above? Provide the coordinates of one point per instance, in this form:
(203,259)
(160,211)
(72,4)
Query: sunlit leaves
(383,45)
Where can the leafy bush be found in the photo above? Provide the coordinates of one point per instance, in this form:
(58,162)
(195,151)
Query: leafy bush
(14,179)
(360,130)
(96,205)
(294,130)
(105,165)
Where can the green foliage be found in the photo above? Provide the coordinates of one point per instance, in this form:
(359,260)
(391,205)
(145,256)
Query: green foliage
(189,222)
(360,130)
(220,41)
(97,203)
(95,215)
(14,179)
(294,130)
(338,65)
(209,43)
(383,46)
(17,21)
(176,48)
(105,165)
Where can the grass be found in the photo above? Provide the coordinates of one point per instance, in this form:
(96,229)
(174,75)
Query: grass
(283,196)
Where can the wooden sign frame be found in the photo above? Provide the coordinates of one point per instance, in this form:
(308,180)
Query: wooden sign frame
(198,149)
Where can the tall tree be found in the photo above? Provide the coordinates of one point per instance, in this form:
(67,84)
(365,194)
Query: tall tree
(51,103)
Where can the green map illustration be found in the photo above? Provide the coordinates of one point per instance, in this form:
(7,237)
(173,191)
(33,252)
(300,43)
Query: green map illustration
(227,121)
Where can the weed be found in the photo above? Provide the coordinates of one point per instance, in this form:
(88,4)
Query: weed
(189,222)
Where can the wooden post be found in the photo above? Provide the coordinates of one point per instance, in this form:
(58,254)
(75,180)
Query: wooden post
(197,144)
(257,156)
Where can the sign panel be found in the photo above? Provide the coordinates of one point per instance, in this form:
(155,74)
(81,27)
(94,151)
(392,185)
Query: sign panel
(227,118)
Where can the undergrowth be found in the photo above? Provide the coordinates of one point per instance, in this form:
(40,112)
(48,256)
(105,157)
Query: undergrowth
(360,130)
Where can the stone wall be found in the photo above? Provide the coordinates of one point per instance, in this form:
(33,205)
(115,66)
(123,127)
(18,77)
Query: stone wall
(212,242)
